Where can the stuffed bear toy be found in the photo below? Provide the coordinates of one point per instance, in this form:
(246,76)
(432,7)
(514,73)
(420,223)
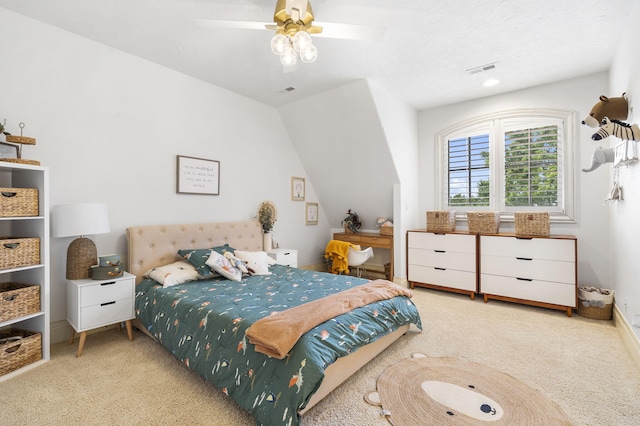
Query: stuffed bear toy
(600,156)
(614,108)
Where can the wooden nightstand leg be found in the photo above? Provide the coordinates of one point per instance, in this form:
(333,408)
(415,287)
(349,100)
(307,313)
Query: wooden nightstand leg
(129,330)
(83,337)
(72,335)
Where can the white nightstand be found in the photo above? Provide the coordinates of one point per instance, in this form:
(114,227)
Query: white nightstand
(97,303)
(285,257)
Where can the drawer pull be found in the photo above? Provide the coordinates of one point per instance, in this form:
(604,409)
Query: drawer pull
(109,283)
(524,238)
(111,303)
(523,279)
(524,258)
(439,269)
(440,251)
(9,194)
(11,245)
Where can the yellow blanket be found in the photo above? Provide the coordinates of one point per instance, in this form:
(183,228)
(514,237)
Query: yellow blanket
(277,333)
(338,252)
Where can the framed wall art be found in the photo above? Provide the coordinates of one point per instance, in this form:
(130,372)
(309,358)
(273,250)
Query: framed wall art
(297,189)
(311,214)
(197,176)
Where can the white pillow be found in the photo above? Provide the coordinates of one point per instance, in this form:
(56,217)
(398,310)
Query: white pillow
(259,261)
(223,266)
(174,273)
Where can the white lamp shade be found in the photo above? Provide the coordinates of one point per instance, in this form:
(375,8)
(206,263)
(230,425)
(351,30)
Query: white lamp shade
(72,220)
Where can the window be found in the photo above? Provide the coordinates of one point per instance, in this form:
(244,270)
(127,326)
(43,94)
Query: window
(512,161)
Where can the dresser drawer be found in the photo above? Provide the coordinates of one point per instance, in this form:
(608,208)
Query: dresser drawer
(534,290)
(106,313)
(448,242)
(539,269)
(106,291)
(537,248)
(462,280)
(443,259)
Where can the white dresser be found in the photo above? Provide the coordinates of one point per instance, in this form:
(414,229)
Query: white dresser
(286,257)
(539,271)
(444,261)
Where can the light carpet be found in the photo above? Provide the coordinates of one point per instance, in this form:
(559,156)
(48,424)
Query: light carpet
(580,364)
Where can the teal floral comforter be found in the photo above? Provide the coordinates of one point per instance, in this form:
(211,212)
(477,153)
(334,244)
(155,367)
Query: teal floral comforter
(203,323)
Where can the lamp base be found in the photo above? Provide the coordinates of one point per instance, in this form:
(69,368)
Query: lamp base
(81,256)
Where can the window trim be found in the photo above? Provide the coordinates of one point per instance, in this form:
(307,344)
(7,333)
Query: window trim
(487,123)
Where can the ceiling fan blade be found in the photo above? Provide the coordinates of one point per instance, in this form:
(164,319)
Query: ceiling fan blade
(350,32)
(225,23)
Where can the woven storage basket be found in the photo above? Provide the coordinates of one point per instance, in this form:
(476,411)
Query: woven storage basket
(17,353)
(17,252)
(18,202)
(484,222)
(386,230)
(441,221)
(532,223)
(18,300)
(593,303)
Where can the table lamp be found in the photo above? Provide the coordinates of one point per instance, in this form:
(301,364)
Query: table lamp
(71,220)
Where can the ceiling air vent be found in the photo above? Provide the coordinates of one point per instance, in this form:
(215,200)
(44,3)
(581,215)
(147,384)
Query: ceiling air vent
(482,68)
(288,89)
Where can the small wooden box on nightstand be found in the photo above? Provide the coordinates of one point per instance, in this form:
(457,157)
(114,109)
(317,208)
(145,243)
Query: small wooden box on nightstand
(285,257)
(97,303)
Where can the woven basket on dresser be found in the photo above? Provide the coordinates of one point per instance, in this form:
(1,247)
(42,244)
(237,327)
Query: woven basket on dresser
(15,354)
(532,224)
(18,300)
(17,202)
(441,220)
(483,222)
(17,252)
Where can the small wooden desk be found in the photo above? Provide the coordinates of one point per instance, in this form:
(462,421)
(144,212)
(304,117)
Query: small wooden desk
(369,239)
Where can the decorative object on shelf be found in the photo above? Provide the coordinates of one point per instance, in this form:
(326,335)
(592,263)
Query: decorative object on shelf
(105,272)
(197,176)
(619,129)
(614,108)
(267,216)
(17,142)
(626,152)
(311,213)
(297,189)
(384,225)
(72,220)
(600,156)
(2,132)
(351,222)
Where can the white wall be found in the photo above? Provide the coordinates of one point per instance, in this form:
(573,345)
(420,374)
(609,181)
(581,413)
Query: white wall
(109,126)
(625,215)
(592,224)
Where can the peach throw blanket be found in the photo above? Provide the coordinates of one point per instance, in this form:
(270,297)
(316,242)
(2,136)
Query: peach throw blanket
(277,333)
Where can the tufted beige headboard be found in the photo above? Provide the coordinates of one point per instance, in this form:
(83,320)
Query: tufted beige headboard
(156,245)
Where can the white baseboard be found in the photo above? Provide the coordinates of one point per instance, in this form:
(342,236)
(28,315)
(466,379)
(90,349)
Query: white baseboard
(629,338)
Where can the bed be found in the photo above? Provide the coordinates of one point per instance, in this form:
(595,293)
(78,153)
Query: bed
(204,323)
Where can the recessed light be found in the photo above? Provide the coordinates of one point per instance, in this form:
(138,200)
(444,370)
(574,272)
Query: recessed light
(490,82)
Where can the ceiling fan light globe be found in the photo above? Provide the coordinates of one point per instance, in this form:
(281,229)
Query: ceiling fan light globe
(278,43)
(288,57)
(310,54)
(301,41)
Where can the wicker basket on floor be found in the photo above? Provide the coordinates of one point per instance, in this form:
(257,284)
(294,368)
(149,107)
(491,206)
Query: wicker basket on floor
(441,221)
(483,222)
(18,300)
(18,348)
(532,224)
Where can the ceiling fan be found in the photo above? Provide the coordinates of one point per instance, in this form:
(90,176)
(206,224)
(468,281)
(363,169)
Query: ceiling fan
(293,22)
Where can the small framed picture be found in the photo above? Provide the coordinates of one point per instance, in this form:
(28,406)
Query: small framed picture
(197,176)
(311,213)
(297,189)
(8,150)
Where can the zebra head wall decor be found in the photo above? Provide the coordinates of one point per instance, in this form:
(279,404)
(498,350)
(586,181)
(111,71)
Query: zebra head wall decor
(624,131)
(614,108)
